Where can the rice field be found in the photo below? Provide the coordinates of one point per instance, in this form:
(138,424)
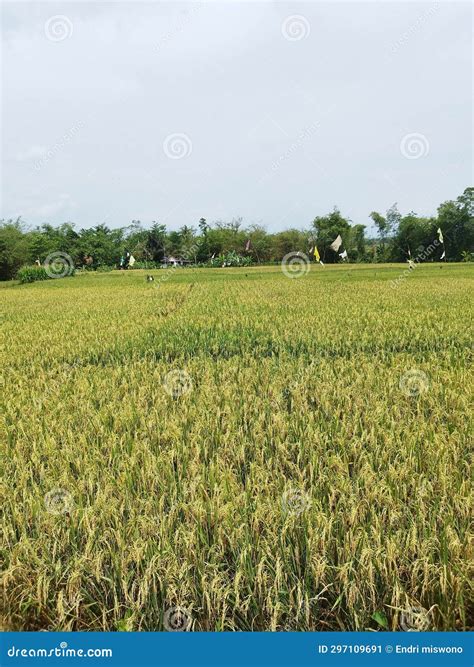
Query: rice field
(232,449)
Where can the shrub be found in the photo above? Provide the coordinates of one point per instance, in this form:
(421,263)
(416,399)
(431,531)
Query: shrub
(230,258)
(139,264)
(30,274)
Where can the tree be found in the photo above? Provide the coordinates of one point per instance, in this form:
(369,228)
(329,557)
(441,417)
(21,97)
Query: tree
(225,237)
(456,221)
(260,243)
(134,240)
(203,253)
(380,222)
(356,243)
(290,240)
(203,226)
(327,228)
(392,219)
(188,243)
(14,248)
(415,235)
(387,227)
(173,244)
(156,242)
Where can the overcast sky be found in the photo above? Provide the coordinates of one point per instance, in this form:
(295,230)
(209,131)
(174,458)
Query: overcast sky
(272,111)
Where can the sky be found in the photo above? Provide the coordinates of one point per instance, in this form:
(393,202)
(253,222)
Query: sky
(274,112)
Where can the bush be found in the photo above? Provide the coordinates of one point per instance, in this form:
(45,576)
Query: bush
(144,265)
(230,258)
(30,274)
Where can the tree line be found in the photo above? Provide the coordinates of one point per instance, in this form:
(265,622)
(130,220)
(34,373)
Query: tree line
(398,238)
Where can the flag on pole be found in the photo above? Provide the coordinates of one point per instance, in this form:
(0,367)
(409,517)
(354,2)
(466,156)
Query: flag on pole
(443,255)
(440,235)
(317,256)
(409,252)
(247,247)
(131,261)
(343,255)
(311,250)
(336,244)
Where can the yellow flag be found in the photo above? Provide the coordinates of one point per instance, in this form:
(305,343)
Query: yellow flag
(316,254)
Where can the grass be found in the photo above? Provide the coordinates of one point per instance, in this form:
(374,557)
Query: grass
(288,474)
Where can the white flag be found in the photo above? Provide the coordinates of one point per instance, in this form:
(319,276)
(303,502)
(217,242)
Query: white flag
(132,260)
(443,255)
(336,244)
(343,255)
(440,235)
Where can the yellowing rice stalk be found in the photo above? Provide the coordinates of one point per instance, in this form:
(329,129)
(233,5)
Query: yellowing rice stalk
(260,452)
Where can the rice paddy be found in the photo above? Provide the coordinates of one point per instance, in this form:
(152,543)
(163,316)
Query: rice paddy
(254,451)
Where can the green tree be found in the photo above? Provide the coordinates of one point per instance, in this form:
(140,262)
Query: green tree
(356,243)
(387,227)
(188,243)
(260,243)
(456,221)
(414,234)
(327,228)
(290,240)
(225,237)
(134,240)
(392,219)
(102,244)
(14,248)
(156,242)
